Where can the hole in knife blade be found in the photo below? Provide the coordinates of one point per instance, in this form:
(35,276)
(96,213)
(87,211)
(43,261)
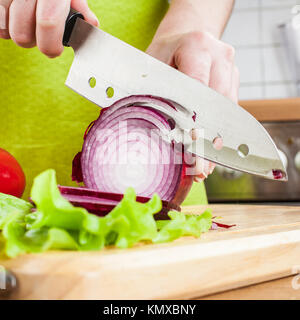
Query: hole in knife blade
(92,82)
(110,92)
(243,150)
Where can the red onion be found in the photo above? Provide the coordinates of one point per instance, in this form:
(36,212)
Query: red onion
(102,203)
(216,225)
(124,148)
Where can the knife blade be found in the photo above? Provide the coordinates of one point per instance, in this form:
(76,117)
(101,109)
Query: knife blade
(112,63)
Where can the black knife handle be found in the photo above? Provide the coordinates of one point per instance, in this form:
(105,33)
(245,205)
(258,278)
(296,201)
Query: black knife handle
(70,23)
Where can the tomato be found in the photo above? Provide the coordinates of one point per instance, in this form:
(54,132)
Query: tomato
(12,178)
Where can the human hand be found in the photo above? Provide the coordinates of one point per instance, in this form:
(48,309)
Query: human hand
(40,23)
(202,56)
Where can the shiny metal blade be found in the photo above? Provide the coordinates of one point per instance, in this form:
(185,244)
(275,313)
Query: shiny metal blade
(115,64)
(262,159)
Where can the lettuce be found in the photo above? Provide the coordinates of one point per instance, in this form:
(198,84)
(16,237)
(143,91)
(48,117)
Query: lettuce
(182,225)
(20,240)
(55,223)
(9,205)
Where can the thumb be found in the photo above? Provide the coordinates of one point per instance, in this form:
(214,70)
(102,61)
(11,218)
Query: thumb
(82,7)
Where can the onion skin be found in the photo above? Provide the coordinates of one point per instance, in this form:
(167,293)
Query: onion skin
(184,187)
(175,183)
(76,168)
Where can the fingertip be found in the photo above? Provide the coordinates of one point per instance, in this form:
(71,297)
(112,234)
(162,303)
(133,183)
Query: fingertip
(52,52)
(55,55)
(96,22)
(92,19)
(83,7)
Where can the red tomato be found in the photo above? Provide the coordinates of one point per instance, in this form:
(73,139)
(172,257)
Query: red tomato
(12,178)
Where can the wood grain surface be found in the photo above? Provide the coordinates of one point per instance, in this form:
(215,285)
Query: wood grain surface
(287,288)
(273,109)
(264,245)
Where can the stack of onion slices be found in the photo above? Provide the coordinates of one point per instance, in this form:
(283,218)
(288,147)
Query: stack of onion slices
(125,148)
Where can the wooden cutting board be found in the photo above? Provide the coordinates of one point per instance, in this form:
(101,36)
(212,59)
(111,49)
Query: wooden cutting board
(264,245)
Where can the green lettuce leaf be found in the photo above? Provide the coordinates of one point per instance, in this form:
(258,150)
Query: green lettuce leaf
(20,240)
(10,204)
(130,221)
(55,223)
(181,225)
(53,210)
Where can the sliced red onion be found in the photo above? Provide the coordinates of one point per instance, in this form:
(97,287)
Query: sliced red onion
(124,148)
(216,225)
(102,203)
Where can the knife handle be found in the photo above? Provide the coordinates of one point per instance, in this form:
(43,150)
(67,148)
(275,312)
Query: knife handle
(8,283)
(70,23)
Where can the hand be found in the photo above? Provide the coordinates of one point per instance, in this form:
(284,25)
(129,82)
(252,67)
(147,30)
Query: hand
(201,56)
(40,23)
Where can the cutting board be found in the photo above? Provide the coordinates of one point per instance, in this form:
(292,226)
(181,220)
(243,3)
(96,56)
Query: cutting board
(264,245)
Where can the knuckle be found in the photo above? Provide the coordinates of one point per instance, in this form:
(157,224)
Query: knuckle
(204,60)
(198,36)
(48,24)
(202,64)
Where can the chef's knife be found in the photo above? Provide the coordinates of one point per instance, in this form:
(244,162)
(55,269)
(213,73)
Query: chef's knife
(111,63)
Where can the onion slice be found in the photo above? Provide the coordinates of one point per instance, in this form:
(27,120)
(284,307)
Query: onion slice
(101,203)
(124,148)
(217,225)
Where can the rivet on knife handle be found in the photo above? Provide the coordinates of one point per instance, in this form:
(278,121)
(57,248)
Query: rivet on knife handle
(8,283)
(70,23)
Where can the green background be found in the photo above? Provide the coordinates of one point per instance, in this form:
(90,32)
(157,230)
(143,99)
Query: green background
(42,121)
